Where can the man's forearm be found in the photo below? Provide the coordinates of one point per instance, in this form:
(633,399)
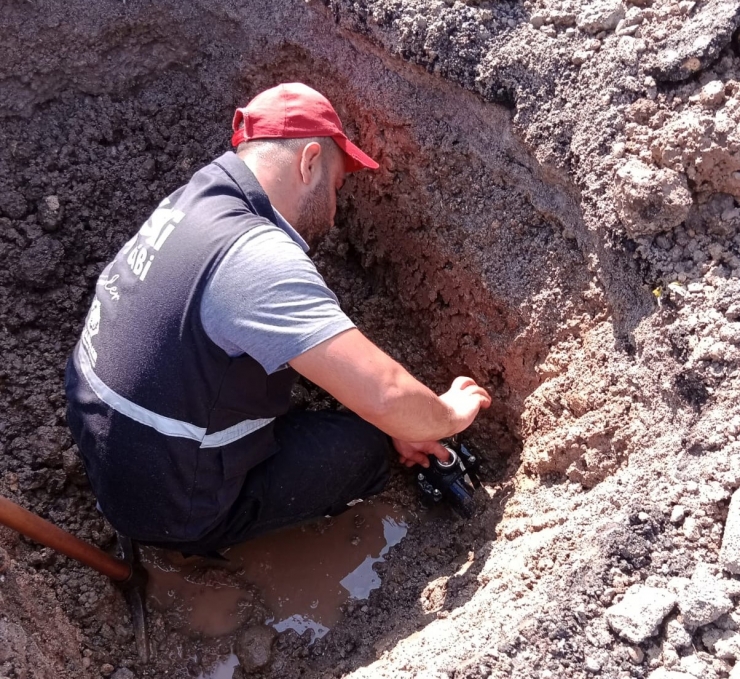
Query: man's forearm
(369,382)
(410,411)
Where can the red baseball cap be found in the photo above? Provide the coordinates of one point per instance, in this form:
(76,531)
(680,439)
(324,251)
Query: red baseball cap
(294,111)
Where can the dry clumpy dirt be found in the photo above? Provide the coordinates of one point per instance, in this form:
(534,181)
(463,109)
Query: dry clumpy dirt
(556,214)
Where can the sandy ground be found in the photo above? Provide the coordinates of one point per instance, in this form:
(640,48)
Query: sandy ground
(556,214)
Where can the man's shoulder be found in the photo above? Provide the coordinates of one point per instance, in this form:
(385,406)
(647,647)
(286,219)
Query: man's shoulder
(263,253)
(264,237)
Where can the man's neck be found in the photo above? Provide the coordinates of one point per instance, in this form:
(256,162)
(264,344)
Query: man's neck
(275,185)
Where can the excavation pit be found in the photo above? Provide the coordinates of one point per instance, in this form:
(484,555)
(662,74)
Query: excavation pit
(461,255)
(486,244)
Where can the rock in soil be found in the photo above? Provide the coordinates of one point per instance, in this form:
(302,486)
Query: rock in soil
(639,614)
(650,200)
(729,556)
(663,673)
(703,600)
(123,673)
(723,643)
(254,647)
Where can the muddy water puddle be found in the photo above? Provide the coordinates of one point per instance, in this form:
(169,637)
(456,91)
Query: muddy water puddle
(302,575)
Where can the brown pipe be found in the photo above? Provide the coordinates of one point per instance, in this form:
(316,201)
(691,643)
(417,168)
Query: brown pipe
(40,530)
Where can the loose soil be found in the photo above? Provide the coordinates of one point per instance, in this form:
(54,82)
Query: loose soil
(556,214)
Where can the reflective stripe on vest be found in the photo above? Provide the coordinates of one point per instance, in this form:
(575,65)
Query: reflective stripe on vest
(164,425)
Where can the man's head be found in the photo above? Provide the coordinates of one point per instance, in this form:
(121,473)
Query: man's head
(301,177)
(292,139)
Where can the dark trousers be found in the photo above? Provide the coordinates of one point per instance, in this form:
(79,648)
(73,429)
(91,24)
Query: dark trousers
(325,460)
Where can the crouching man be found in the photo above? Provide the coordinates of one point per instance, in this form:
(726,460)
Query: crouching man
(179,388)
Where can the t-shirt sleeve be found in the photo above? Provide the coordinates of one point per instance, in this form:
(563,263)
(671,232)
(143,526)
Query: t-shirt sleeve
(266,299)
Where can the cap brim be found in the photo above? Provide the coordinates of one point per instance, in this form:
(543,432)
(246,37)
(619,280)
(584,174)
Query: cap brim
(354,158)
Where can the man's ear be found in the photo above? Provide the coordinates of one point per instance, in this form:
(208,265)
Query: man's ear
(310,166)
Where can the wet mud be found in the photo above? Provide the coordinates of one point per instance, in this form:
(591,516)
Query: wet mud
(296,579)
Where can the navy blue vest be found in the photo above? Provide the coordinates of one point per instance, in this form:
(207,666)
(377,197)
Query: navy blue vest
(167,423)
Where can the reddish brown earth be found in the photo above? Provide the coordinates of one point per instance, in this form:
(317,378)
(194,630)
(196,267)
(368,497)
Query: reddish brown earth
(556,214)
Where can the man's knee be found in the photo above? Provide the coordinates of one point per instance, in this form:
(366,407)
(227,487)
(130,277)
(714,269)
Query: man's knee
(353,451)
(367,436)
(376,449)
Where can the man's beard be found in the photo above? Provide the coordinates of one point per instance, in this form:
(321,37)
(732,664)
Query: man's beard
(314,213)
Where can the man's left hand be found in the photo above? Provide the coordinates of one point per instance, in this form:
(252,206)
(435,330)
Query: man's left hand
(417,452)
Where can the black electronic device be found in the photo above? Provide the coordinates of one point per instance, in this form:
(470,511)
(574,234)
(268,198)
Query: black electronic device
(453,481)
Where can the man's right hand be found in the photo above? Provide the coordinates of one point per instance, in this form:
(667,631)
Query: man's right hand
(418,452)
(465,398)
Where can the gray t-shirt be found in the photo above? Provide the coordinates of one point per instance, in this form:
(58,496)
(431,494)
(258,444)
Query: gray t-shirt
(267,299)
